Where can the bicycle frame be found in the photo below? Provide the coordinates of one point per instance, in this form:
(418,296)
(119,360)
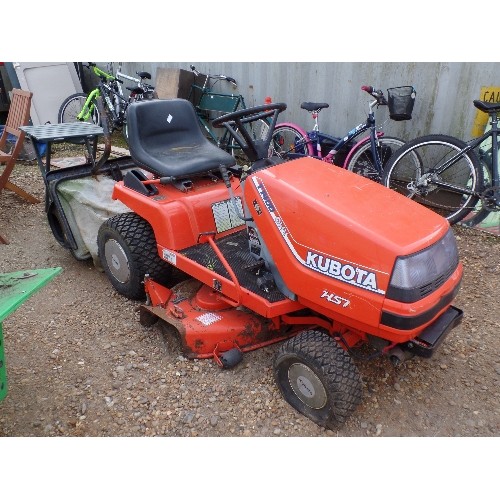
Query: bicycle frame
(219,102)
(89,105)
(316,138)
(214,101)
(104,89)
(493,133)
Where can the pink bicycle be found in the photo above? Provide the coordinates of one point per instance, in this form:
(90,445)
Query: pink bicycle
(366,157)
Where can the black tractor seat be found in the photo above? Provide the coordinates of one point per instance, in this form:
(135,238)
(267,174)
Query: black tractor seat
(165,138)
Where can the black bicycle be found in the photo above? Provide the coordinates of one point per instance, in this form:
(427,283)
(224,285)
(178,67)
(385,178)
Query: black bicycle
(458,180)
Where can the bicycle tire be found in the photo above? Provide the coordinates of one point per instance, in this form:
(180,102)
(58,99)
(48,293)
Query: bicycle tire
(258,131)
(288,142)
(72,105)
(409,172)
(478,212)
(360,160)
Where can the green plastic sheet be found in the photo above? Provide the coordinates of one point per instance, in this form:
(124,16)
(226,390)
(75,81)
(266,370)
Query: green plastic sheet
(16,288)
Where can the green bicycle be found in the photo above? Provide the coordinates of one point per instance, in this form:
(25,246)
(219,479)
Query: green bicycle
(82,107)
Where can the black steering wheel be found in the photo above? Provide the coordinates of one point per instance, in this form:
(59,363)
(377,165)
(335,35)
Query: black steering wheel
(254,148)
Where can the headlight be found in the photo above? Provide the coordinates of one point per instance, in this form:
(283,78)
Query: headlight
(416,276)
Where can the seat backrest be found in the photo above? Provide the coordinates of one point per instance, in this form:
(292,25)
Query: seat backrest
(165,138)
(162,123)
(19,115)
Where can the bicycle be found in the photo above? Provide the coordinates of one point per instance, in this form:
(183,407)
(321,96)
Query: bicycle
(366,157)
(210,104)
(82,107)
(447,175)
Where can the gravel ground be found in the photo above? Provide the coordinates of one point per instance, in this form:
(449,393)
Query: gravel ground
(80,364)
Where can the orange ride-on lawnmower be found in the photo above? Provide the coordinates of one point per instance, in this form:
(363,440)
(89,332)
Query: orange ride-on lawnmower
(309,255)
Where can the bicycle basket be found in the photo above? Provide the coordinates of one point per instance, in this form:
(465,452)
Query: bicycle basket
(400,102)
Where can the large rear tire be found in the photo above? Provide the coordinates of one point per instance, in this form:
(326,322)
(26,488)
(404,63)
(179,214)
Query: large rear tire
(317,377)
(127,251)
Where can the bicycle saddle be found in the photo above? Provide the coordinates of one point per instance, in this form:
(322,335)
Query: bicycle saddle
(165,138)
(314,106)
(487,107)
(144,74)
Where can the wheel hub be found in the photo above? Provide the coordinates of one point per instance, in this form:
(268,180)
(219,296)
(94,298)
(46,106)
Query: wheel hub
(307,386)
(117,261)
(424,185)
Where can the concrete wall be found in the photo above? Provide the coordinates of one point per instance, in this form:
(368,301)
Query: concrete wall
(445,91)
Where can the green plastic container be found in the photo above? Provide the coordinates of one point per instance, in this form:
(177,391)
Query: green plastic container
(16,288)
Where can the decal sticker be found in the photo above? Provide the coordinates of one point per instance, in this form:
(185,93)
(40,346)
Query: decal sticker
(334,267)
(347,273)
(335,299)
(257,208)
(208,319)
(169,118)
(169,256)
(263,194)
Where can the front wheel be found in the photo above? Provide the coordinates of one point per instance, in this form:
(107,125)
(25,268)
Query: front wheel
(361,160)
(127,250)
(318,378)
(479,213)
(288,142)
(71,107)
(417,171)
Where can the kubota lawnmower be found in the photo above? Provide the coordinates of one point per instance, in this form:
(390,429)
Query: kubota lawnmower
(309,255)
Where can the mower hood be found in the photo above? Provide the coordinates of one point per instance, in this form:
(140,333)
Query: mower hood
(330,231)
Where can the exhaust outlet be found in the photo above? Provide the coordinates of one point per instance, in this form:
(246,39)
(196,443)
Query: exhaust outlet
(397,356)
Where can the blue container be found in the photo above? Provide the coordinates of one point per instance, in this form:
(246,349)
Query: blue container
(40,146)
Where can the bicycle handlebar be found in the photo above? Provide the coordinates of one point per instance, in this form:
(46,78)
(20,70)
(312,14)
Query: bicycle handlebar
(378,94)
(219,77)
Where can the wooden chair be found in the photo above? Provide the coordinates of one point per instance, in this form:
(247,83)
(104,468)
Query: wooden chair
(19,115)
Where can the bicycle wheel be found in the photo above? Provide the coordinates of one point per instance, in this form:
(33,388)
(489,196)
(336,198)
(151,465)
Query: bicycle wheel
(288,143)
(257,130)
(361,161)
(414,171)
(72,105)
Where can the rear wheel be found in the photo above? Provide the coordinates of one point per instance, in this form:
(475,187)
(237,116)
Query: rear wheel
(363,163)
(318,378)
(415,171)
(72,106)
(127,250)
(288,143)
